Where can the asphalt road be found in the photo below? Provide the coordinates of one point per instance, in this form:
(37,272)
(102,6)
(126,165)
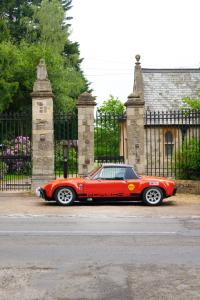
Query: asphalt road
(103,257)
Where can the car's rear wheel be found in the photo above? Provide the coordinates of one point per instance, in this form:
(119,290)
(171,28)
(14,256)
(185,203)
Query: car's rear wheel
(153,196)
(65,196)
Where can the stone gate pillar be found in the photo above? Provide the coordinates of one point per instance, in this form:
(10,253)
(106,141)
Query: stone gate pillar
(85,106)
(135,123)
(42,129)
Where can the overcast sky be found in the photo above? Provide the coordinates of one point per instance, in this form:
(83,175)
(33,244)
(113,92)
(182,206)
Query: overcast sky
(166,33)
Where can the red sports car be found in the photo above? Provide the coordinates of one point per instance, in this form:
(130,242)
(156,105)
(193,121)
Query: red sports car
(110,181)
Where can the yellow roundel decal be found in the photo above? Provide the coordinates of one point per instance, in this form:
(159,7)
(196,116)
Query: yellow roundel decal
(131,187)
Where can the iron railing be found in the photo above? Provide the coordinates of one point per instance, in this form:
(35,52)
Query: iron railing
(173,143)
(15,151)
(109,137)
(66,144)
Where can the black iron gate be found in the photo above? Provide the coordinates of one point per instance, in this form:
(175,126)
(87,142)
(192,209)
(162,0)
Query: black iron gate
(109,137)
(66,144)
(15,151)
(173,143)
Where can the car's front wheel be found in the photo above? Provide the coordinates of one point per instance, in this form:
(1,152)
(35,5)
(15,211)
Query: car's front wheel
(153,196)
(65,196)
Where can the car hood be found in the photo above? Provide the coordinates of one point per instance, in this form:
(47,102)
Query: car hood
(61,180)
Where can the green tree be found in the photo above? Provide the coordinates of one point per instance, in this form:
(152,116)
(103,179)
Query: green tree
(17,17)
(67,5)
(108,130)
(112,105)
(19,56)
(8,83)
(4,31)
(17,76)
(192,103)
(53,34)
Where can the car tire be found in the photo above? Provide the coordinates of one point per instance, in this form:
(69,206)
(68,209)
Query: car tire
(153,196)
(65,196)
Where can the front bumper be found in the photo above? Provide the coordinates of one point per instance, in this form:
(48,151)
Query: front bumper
(40,193)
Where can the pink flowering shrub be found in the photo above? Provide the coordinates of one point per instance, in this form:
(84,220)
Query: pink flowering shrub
(18,155)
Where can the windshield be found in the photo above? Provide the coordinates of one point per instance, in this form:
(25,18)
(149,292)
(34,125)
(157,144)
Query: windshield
(112,173)
(93,172)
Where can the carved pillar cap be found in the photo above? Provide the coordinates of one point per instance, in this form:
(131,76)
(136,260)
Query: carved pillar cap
(134,100)
(42,94)
(137,57)
(86,99)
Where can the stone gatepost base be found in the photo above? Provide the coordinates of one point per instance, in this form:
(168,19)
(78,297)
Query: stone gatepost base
(40,181)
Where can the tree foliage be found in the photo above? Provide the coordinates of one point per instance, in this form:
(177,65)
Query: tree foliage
(112,105)
(32,30)
(108,130)
(8,83)
(192,103)
(53,33)
(16,15)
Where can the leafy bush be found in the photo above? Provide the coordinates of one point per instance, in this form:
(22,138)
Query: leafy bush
(188,160)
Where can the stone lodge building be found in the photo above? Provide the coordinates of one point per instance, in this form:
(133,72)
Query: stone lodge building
(157,95)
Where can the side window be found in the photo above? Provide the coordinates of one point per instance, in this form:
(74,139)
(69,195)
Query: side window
(130,174)
(113,173)
(169,143)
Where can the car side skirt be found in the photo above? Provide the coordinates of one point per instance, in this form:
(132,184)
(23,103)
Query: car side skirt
(131,197)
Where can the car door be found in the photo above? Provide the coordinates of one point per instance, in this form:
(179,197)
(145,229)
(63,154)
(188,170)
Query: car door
(132,187)
(106,184)
(133,183)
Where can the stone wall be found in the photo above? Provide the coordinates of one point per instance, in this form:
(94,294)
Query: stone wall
(188,187)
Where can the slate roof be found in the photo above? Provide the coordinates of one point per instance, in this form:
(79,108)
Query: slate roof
(165,88)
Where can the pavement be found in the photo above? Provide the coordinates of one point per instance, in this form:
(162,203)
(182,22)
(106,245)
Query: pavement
(26,203)
(103,251)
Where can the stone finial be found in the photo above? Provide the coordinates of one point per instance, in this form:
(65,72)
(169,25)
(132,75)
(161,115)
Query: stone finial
(42,70)
(42,86)
(137,57)
(138,88)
